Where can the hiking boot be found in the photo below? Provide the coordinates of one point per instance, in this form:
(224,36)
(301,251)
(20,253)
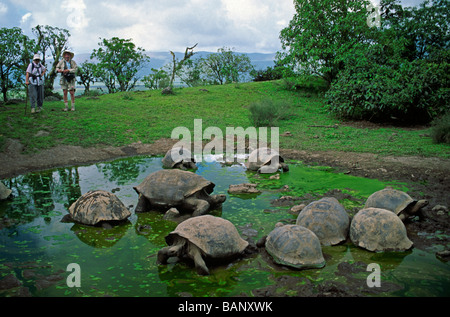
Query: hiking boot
(33,110)
(73,109)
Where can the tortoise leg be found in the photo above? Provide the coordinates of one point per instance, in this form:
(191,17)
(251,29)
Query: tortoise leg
(284,167)
(200,206)
(196,255)
(143,204)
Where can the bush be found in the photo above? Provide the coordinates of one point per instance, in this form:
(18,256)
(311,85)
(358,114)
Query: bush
(411,92)
(267,112)
(441,129)
(267,74)
(306,83)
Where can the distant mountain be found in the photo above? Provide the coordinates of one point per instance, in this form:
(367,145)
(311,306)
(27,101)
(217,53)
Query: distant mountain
(159,59)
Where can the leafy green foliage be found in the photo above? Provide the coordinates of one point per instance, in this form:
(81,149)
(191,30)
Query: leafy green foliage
(320,34)
(157,79)
(16,51)
(226,66)
(404,74)
(267,112)
(51,40)
(441,129)
(119,61)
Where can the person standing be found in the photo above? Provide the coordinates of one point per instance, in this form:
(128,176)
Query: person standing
(34,79)
(68,69)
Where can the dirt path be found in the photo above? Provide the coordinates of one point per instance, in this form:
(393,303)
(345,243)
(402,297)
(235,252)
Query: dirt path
(430,176)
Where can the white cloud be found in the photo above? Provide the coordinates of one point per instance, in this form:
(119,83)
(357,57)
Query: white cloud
(246,25)
(3,8)
(25,17)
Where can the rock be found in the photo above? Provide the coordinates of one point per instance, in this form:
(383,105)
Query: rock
(42,133)
(9,281)
(167,91)
(245,188)
(277,176)
(443,255)
(440,209)
(172,213)
(5,192)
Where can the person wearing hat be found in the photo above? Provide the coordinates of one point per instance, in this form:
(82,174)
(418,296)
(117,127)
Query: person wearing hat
(68,69)
(34,79)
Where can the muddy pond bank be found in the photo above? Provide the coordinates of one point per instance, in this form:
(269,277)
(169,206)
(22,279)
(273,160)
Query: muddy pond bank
(426,179)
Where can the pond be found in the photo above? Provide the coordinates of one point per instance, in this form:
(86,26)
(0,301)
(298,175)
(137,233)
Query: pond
(36,247)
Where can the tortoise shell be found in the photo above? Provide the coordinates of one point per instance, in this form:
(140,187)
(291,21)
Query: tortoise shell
(216,237)
(295,246)
(327,218)
(261,157)
(377,229)
(171,187)
(390,199)
(177,155)
(96,206)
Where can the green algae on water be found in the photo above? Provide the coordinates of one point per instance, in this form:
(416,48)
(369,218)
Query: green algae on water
(122,261)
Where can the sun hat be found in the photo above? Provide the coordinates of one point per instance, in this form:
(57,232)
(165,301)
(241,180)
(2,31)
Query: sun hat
(36,57)
(67,51)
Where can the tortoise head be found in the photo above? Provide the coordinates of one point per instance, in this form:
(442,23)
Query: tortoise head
(418,205)
(217,200)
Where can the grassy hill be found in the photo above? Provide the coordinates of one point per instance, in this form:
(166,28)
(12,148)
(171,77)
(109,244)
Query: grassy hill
(145,116)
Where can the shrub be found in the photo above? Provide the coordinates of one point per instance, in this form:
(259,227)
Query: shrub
(412,92)
(441,129)
(305,83)
(266,113)
(267,74)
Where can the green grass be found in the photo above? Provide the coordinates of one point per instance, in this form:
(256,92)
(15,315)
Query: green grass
(123,118)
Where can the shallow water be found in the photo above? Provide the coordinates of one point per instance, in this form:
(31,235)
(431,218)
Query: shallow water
(37,247)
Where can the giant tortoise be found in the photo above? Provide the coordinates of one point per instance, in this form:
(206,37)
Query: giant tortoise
(377,229)
(327,218)
(396,201)
(179,157)
(266,160)
(96,207)
(294,246)
(204,238)
(183,190)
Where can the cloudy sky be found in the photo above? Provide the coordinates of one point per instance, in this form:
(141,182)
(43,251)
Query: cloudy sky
(155,25)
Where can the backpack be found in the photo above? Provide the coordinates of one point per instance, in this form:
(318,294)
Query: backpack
(33,75)
(68,76)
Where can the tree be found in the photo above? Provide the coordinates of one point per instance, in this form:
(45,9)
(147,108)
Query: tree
(16,51)
(177,65)
(226,66)
(403,73)
(159,78)
(321,33)
(119,61)
(191,73)
(86,75)
(51,40)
